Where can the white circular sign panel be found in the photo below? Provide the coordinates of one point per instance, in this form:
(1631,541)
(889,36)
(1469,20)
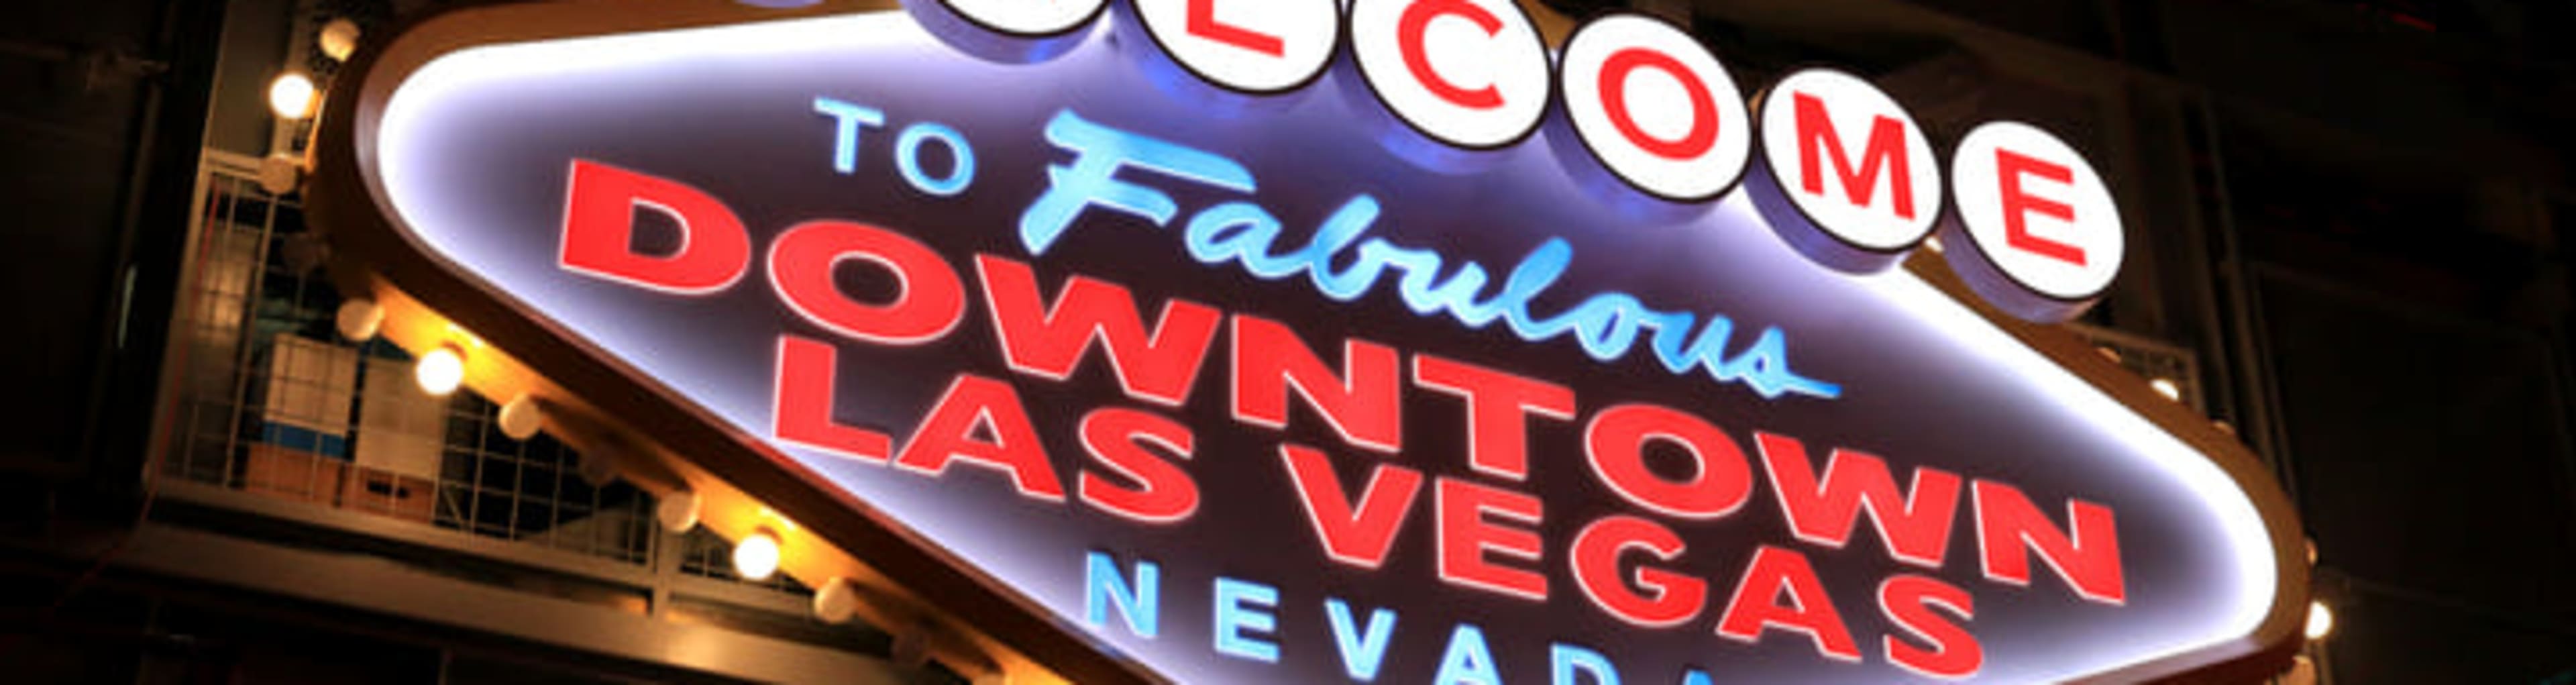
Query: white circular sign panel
(1257,46)
(1655,107)
(1469,73)
(1898,199)
(1025,18)
(2037,212)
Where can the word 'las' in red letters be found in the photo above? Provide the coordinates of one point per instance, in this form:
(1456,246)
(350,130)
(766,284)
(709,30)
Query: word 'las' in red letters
(1886,150)
(976,406)
(599,232)
(1204,24)
(1412,33)
(1148,487)
(2018,205)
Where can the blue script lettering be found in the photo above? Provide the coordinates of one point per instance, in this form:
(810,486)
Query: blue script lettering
(1606,325)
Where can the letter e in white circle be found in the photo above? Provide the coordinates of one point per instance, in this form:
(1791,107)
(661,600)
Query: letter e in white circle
(2036,215)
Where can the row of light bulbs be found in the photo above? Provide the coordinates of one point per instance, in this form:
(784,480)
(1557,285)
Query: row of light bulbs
(292,96)
(441,370)
(2163,386)
(2321,619)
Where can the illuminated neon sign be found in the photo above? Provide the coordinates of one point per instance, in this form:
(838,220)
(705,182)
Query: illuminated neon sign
(1263,343)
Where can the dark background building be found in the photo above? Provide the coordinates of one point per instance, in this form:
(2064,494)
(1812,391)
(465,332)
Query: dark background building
(2347,218)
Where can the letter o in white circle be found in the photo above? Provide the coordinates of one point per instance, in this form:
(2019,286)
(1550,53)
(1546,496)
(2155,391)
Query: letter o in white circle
(1472,74)
(1678,128)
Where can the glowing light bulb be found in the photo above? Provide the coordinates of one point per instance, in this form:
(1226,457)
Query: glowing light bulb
(338,39)
(440,371)
(291,95)
(521,418)
(2167,388)
(678,511)
(836,601)
(281,173)
(359,318)
(756,556)
(2320,620)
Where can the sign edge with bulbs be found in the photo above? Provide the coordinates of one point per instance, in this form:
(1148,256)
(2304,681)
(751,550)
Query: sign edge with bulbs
(981,623)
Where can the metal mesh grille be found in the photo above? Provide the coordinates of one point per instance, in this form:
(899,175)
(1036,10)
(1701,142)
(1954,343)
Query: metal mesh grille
(272,401)
(2152,360)
(704,555)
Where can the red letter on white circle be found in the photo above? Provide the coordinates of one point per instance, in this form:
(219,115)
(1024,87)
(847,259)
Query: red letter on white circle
(1256,46)
(2044,235)
(1469,73)
(1655,108)
(1853,181)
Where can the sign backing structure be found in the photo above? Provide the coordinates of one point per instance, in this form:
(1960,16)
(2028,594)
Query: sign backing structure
(816,265)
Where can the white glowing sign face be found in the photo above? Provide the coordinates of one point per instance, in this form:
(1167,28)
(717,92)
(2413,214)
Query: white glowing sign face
(1216,39)
(1655,108)
(1852,163)
(1256,398)
(2036,214)
(1469,73)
